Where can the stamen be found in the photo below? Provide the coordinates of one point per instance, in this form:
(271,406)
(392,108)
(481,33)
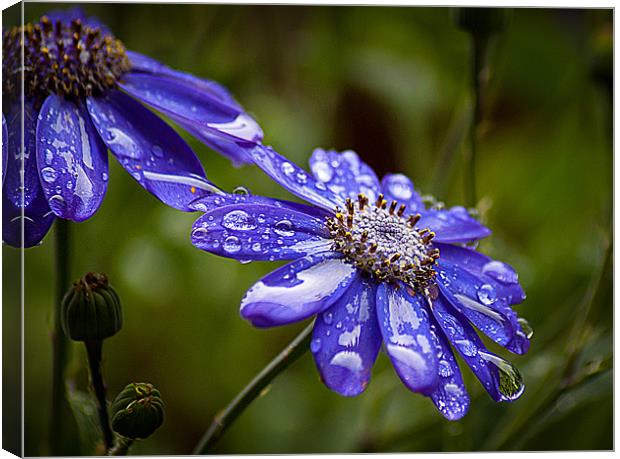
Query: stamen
(65,58)
(383,242)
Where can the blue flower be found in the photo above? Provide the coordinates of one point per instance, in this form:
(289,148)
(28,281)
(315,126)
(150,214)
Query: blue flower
(376,267)
(83,93)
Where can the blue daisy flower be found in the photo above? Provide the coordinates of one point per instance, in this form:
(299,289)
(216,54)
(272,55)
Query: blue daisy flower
(84,93)
(377,267)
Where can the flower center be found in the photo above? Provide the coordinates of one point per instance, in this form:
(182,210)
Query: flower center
(383,242)
(68,59)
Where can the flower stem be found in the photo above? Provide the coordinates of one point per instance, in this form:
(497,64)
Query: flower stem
(225,418)
(94,351)
(59,408)
(478,79)
(121,448)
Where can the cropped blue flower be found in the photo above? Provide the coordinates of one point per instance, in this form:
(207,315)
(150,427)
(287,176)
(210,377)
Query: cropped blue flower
(82,94)
(376,267)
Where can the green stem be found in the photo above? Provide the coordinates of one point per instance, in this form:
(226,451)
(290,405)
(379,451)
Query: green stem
(223,420)
(59,341)
(121,448)
(478,78)
(94,351)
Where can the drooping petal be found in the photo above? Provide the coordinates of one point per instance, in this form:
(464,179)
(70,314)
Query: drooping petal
(26,205)
(149,149)
(346,340)
(142,63)
(398,187)
(479,302)
(195,106)
(408,339)
(500,378)
(450,396)
(344,173)
(501,276)
(297,290)
(5,147)
(453,225)
(72,159)
(260,232)
(295,179)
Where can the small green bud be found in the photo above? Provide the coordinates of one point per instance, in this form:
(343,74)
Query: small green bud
(91,309)
(137,411)
(485,21)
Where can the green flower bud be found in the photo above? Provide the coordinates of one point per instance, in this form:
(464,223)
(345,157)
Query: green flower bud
(91,310)
(485,21)
(137,411)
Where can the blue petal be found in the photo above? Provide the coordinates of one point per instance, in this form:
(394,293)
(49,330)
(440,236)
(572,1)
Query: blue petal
(344,173)
(194,108)
(453,225)
(5,147)
(260,232)
(297,290)
(398,187)
(31,207)
(409,341)
(295,179)
(149,149)
(500,275)
(480,303)
(72,159)
(467,343)
(450,396)
(142,63)
(213,201)
(346,340)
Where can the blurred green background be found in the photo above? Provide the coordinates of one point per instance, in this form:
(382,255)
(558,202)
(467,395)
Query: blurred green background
(391,83)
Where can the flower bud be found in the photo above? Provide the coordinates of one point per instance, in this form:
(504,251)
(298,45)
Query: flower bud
(137,411)
(91,310)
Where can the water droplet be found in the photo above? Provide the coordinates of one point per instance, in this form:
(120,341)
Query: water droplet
(238,220)
(256,247)
(157,151)
(302,177)
(284,228)
(287,168)
(445,370)
(199,233)
(104,176)
(323,171)
(526,327)
(232,244)
(501,272)
(400,187)
(241,190)
(57,203)
(315,345)
(487,294)
(511,383)
(328,318)
(466,347)
(49,174)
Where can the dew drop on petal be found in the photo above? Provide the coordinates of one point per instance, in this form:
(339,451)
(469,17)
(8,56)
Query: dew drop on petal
(49,174)
(487,294)
(315,345)
(445,370)
(328,318)
(238,220)
(232,244)
(501,272)
(241,190)
(284,228)
(466,347)
(199,233)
